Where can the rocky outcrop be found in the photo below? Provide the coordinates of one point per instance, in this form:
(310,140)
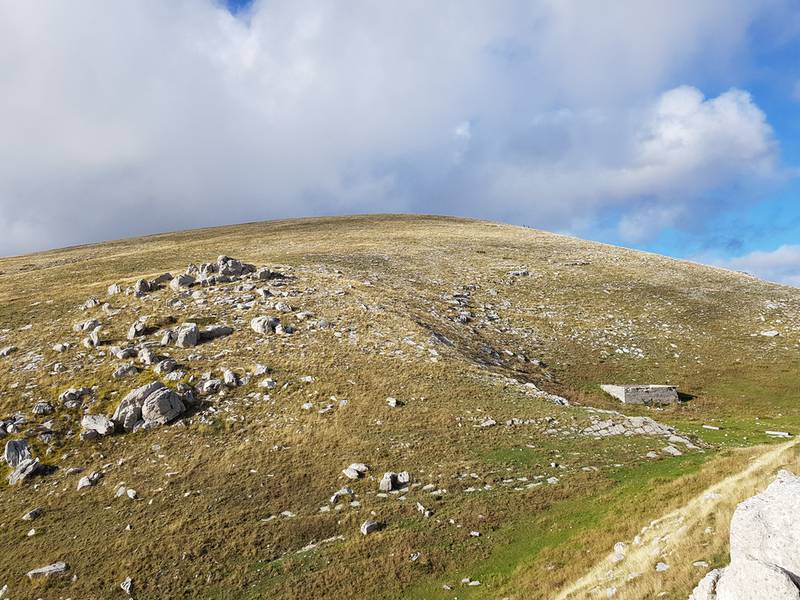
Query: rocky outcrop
(764,542)
(148,406)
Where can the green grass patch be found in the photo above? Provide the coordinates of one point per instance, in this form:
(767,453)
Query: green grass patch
(517,546)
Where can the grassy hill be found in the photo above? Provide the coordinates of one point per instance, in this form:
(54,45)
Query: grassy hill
(452,318)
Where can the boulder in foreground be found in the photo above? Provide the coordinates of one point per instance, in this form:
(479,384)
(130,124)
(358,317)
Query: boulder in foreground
(764,543)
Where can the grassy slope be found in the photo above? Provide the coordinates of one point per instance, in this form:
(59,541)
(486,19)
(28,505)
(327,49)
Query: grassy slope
(202,532)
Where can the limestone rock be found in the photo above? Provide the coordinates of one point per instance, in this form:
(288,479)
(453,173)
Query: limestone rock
(129,411)
(100,424)
(168,365)
(148,406)
(122,353)
(125,371)
(16,451)
(57,568)
(215,331)
(33,514)
(387,482)
(42,408)
(86,325)
(89,480)
(71,398)
(749,579)
(264,325)
(141,287)
(369,526)
(765,527)
(764,538)
(25,469)
(355,470)
(182,281)
(340,493)
(138,329)
(7,351)
(187,335)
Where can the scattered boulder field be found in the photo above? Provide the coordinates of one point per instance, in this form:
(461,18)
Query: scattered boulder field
(401,408)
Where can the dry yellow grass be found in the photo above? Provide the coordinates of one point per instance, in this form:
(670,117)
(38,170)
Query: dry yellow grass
(587,313)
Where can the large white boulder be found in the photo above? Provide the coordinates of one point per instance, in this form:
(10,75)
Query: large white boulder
(148,406)
(766,527)
(764,548)
(749,579)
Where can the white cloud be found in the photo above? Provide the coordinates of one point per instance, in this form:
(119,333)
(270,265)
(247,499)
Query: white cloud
(781,265)
(125,118)
(654,162)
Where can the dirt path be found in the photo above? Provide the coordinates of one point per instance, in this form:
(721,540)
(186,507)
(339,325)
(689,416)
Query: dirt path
(697,531)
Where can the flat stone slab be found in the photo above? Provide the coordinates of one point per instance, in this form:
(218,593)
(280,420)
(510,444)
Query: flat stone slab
(642,394)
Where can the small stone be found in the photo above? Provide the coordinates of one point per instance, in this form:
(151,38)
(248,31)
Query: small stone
(264,325)
(125,371)
(168,365)
(369,526)
(100,424)
(187,335)
(56,568)
(229,378)
(345,491)
(351,473)
(31,515)
(127,586)
(619,551)
(42,408)
(355,470)
(89,480)
(268,383)
(25,469)
(182,281)
(138,329)
(387,482)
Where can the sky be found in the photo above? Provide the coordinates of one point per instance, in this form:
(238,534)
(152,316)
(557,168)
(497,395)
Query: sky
(669,127)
